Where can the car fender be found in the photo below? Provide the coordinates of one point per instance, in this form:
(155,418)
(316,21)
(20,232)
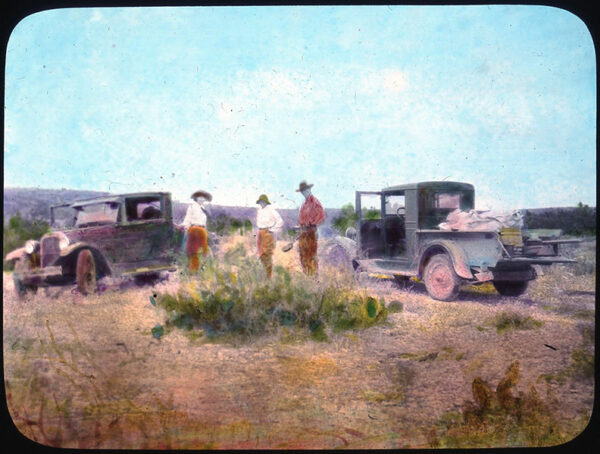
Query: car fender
(16,254)
(71,251)
(456,253)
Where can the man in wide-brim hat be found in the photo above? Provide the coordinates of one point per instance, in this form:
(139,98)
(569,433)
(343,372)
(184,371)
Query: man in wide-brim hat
(268,223)
(311,215)
(195,225)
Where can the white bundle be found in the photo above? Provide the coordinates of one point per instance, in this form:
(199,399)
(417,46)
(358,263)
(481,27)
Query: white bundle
(477,221)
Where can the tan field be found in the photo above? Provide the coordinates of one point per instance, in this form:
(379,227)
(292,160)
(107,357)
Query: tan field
(86,372)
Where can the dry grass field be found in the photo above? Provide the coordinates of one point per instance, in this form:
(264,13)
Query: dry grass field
(485,370)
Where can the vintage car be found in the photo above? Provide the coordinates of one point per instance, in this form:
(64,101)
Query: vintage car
(120,235)
(398,234)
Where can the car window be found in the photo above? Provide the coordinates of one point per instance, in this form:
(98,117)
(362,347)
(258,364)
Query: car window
(143,209)
(446,200)
(394,205)
(97,214)
(370,206)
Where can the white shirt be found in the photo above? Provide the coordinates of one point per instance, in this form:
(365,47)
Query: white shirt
(194,215)
(268,218)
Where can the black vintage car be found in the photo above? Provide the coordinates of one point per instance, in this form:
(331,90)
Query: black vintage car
(126,234)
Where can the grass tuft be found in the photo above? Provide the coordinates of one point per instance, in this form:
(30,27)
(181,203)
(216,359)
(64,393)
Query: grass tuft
(506,321)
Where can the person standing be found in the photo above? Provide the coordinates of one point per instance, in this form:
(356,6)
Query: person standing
(311,215)
(268,223)
(195,225)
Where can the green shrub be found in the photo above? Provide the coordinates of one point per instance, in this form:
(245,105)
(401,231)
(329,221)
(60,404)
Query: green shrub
(346,219)
(513,320)
(18,231)
(223,224)
(225,299)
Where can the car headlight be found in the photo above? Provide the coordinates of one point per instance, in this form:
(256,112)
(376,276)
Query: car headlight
(63,241)
(30,246)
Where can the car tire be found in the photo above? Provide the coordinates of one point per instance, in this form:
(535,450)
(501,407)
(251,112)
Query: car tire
(20,288)
(441,281)
(338,257)
(21,266)
(511,288)
(86,272)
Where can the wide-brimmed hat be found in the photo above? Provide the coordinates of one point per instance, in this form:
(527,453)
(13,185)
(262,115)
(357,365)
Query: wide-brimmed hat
(263,198)
(204,194)
(303,186)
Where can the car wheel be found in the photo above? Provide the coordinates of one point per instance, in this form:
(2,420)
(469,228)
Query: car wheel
(21,288)
(511,288)
(86,272)
(441,282)
(337,256)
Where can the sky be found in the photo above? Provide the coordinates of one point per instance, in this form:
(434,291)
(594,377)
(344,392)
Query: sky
(242,101)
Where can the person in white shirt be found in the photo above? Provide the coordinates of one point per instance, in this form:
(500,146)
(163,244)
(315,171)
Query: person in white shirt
(195,225)
(268,223)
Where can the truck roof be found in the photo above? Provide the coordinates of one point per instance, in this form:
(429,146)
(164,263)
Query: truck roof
(443,185)
(111,198)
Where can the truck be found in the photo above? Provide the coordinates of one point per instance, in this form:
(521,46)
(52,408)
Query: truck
(118,235)
(398,235)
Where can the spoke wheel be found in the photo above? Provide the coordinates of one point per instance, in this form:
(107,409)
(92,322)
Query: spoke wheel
(441,281)
(86,272)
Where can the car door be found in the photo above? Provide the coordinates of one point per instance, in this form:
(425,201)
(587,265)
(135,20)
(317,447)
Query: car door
(370,224)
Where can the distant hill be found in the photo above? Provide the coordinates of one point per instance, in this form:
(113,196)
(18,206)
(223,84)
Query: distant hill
(34,203)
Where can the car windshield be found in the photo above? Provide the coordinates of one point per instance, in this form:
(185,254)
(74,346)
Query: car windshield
(97,214)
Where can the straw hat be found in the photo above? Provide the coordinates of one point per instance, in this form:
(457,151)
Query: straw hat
(303,186)
(204,194)
(264,198)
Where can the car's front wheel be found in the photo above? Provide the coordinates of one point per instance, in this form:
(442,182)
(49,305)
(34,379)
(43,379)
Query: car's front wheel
(511,288)
(86,272)
(441,282)
(21,266)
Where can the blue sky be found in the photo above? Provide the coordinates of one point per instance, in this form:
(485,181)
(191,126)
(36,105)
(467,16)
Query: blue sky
(245,100)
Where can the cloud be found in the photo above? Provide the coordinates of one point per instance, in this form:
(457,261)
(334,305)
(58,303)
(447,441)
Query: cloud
(96,16)
(394,81)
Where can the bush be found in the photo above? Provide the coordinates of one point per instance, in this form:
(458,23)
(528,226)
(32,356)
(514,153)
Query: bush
(223,224)
(578,221)
(500,419)
(226,299)
(346,219)
(512,320)
(18,231)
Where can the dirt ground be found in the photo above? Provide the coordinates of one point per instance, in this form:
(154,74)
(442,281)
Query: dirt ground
(67,356)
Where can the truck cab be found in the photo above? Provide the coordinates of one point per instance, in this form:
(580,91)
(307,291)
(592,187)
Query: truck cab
(398,234)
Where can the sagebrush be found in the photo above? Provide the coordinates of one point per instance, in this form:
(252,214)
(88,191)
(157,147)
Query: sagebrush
(233,296)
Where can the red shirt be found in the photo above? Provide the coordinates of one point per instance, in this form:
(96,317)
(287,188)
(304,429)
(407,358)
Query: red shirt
(311,212)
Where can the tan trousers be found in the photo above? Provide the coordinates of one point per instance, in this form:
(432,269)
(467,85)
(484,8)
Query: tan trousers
(307,245)
(266,247)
